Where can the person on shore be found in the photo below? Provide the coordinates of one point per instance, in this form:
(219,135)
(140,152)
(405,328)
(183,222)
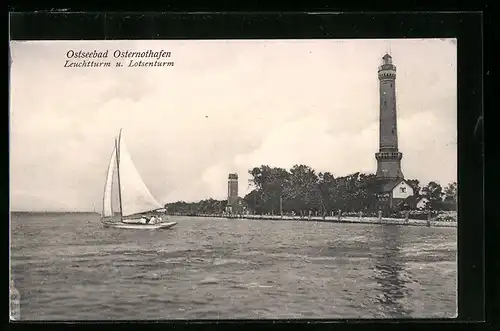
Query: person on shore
(144,220)
(152,220)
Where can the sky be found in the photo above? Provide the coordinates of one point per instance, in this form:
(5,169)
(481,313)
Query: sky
(224,107)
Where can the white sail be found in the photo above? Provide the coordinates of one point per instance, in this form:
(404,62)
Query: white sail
(135,196)
(107,209)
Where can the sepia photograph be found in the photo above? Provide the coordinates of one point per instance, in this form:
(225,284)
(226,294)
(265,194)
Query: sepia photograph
(233,179)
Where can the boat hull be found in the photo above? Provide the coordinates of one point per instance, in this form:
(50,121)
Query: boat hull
(136,226)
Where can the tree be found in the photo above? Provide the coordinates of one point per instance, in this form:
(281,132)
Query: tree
(367,184)
(270,185)
(253,201)
(434,192)
(209,206)
(327,186)
(273,188)
(415,185)
(450,193)
(300,190)
(259,176)
(303,191)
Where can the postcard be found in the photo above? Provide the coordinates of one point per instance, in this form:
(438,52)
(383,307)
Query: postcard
(233,179)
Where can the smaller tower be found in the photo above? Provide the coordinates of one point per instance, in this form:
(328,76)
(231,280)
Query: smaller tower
(232,192)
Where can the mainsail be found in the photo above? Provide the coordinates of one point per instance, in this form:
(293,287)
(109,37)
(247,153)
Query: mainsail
(135,196)
(107,209)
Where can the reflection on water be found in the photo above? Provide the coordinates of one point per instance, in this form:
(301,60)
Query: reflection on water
(389,271)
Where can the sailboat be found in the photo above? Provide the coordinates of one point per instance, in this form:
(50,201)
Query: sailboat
(134,198)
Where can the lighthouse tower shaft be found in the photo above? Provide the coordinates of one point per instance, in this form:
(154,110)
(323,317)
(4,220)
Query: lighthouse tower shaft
(388,156)
(232,189)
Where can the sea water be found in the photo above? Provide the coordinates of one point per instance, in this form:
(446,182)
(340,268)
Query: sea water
(68,267)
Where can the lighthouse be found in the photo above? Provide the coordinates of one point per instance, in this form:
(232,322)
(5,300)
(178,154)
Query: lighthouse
(388,156)
(392,188)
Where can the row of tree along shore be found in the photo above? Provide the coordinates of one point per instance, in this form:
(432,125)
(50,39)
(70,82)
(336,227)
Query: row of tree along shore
(302,193)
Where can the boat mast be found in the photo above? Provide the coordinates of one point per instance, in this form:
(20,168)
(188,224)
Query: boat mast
(117,144)
(104,194)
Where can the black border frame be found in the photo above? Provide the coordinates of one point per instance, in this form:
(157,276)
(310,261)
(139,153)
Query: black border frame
(465,26)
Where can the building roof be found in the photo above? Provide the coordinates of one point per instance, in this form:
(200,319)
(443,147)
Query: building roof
(387,185)
(414,199)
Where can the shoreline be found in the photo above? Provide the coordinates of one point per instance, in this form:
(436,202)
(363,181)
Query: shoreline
(330,219)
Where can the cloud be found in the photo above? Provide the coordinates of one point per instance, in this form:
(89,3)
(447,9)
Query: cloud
(226,106)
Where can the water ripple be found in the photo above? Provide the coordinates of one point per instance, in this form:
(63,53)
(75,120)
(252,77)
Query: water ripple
(69,267)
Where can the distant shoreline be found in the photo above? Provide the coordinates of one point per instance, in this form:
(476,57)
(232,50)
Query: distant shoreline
(332,219)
